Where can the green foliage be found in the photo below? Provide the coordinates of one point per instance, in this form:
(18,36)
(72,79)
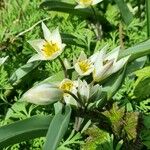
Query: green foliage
(88,30)
(73,139)
(146,131)
(124,124)
(99,139)
(142,84)
(96,137)
(3,79)
(126,14)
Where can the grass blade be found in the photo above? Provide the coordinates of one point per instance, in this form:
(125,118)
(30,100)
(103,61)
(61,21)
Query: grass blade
(126,14)
(148,17)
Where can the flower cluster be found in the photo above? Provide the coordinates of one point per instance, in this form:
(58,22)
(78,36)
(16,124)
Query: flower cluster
(98,67)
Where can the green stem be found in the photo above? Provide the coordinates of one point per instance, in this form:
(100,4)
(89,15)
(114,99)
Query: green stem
(63,66)
(75,97)
(97,23)
(148,17)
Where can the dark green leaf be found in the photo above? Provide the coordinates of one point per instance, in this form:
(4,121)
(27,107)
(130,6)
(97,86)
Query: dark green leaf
(57,129)
(136,65)
(112,85)
(69,8)
(126,14)
(136,51)
(148,17)
(22,71)
(23,130)
(72,40)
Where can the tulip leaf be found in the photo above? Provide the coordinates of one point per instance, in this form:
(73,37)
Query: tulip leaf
(57,77)
(125,12)
(57,129)
(23,71)
(24,130)
(137,51)
(72,40)
(114,83)
(69,8)
(136,65)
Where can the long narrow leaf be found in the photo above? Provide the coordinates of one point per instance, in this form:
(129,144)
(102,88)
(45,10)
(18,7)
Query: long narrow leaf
(57,129)
(136,51)
(23,71)
(69,8)
(114,83)
(126,14)
(23,130)
(148,17)
(72,40)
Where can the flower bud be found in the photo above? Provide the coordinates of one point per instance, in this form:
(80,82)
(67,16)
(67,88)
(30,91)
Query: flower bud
(43,94)
(83,90)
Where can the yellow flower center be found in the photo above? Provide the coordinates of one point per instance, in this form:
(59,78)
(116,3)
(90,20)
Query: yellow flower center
(86,2)
(84,65)
(50,48)
(66,85)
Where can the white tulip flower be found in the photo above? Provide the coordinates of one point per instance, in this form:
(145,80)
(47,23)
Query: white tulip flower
(48,48)
(43,94)
(86,3)
(70,86)
(3,59)
(107,64)
(83,66)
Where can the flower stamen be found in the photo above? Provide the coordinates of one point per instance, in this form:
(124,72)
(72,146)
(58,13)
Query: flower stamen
(84,65)
(86,2)
(50,48)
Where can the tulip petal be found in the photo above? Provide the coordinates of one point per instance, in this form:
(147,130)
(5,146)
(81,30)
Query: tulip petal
(37,45)
(96,2)
(82,56)
(43,94)
(83,90)
(70,100)
(103,72)
(99,60)
(119,64)
(79,6)
(46,32)
(56,38)
(80,72)
(35,58)
(63,46)
(93,58)
(113,55)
